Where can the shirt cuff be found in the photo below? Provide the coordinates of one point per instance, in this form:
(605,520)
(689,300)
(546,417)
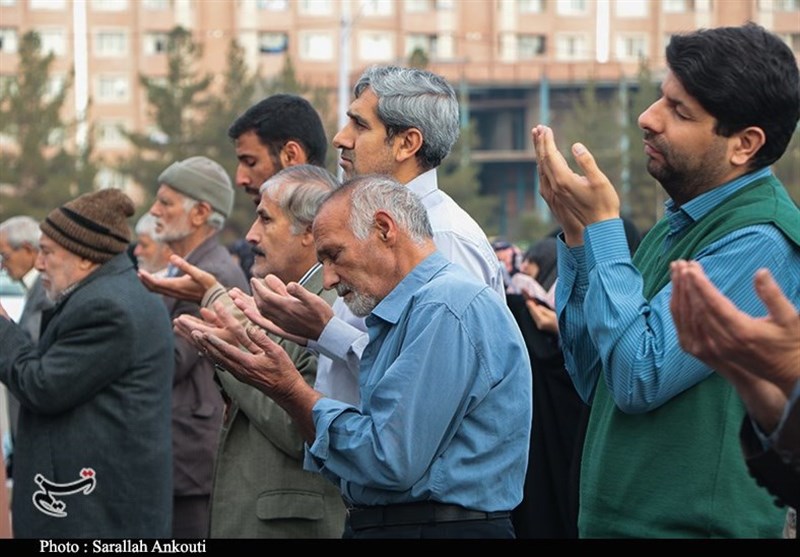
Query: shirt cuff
(336,340)
(605,241)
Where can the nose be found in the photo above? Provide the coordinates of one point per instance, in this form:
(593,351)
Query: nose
(342,138)
(242,176)
(329,277)
(252,236)
(137,251)
(650,119)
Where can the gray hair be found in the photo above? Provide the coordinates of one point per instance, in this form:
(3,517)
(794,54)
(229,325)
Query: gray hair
(146,226)
(21,230)
(300,191)
(216,220)
(373,193)
(415,98)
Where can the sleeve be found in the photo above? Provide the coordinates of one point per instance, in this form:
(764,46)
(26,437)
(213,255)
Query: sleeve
(642,361)
(91,351)
(581,357)
(265,414)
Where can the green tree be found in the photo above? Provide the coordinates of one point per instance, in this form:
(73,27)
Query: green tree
(45,169)
(645,196)
(287,81)
(237,94)
(596,122)
(178,107)
(458,177)
(787,169)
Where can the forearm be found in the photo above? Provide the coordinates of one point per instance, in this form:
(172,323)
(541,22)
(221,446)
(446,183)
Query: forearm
(581,358)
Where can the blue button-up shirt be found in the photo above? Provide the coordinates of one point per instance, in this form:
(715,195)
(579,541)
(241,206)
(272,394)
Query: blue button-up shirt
(607,325)
(446,399)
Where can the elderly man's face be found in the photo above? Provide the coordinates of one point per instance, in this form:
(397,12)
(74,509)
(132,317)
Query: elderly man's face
(349,264)
(278,250)
(17,261)
(172,217)
(59,267)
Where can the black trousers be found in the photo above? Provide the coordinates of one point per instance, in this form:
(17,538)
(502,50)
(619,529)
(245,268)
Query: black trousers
(427,520)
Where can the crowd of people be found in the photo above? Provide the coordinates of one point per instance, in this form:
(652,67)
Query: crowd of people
(382,370)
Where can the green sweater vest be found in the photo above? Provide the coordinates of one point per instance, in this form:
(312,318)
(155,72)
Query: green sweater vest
(678,470)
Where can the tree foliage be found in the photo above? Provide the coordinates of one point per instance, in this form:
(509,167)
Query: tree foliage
(46,168)
(178,107)
(458,177)
(645,199)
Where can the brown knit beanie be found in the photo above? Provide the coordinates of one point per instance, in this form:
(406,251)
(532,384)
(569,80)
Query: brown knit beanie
(93,226)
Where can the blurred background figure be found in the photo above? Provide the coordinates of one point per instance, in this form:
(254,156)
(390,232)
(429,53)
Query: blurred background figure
(19,247)
(151,255)
(242,252)
(509,256)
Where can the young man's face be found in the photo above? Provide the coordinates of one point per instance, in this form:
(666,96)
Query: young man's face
(256,164)
(683,151)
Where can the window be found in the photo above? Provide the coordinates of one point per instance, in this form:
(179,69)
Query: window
(375,7)
(54,86)
(270,42)
(445,5)
(787,5)
(418,5)
(793,40)
(675,6)
(315,7)
(155,42)
(375,46)
(110,43)
(530,46)
(155,5)
(530,6)
(109,5)
(8,2)
(571,47)
(108,133)
(631,8)
(631,46)
(48,4)
(56,137)
(109,178)
(8,39)
(53,41)
(316,45)
(427,43)
(272,5)
(571,7)
(112,89)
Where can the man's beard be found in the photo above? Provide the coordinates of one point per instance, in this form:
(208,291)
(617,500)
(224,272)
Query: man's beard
(177,232)
(360,304)
(682,176)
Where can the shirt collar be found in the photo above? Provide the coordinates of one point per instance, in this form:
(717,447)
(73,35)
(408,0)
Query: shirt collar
(392,306)
(424,184)
(700,206)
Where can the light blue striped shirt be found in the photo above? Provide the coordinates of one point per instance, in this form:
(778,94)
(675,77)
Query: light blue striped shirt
(604,317)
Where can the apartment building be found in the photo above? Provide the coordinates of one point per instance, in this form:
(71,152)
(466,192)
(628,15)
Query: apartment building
(498,53)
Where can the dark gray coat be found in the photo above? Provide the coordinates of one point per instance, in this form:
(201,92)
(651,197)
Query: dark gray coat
(95,412)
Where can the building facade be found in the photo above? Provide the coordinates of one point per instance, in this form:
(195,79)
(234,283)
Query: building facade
(501,54)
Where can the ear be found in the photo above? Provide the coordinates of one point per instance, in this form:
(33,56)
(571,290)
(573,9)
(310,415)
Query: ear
(406,144)
(292,154)
(746,144)
(307,237)
(385,227)
(200,213)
